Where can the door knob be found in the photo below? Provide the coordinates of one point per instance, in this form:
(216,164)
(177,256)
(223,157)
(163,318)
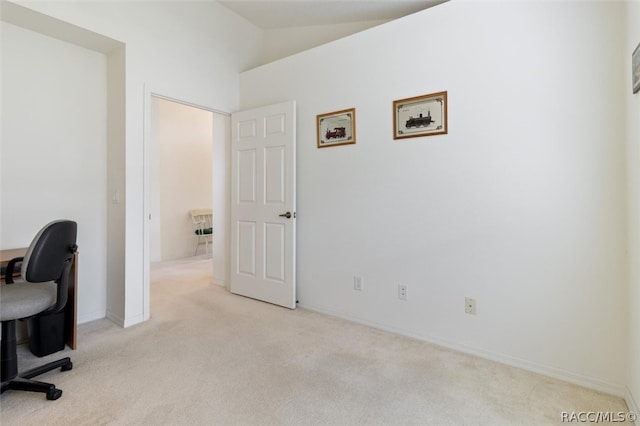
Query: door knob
(287,215)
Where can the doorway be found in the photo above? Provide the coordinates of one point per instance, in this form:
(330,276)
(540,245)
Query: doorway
(186,167)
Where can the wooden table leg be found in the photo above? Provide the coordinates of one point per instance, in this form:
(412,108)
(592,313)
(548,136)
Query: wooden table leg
(71,310)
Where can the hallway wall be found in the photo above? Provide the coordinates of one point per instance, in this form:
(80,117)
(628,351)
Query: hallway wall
(181,176)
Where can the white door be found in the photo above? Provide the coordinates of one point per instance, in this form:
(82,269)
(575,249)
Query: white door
(263,204)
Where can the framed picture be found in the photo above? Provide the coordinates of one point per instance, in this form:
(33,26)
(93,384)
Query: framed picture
(635,69)
(424,115)
(336,128)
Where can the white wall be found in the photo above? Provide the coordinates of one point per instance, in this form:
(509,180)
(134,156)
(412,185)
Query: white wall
(184,144)
(190,51)
(520,206)
(633,183)
(54,150)
(116,179)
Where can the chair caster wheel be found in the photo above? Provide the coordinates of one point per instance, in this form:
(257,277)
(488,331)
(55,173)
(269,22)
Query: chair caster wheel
(54,394)
(67,367)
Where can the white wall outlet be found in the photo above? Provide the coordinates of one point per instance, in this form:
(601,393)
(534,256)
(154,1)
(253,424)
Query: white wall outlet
(470,305)
(357,283)
(402,292)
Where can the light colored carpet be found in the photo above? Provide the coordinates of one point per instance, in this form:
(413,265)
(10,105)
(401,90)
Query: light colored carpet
(211,358)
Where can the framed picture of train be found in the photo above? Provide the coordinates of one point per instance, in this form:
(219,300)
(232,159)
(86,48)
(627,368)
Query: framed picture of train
(336,128)
(424,115)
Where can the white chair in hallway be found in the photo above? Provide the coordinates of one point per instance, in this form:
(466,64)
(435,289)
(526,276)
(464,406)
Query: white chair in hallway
(202,220)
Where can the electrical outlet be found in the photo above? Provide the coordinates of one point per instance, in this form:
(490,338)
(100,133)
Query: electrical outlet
(470,305)
(357,283)
(402,292)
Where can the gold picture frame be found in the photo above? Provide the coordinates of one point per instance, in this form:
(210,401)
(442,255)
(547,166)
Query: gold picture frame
(424,115)
(336,128)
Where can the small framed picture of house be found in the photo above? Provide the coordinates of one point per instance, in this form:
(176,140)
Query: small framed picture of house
(424,115)
(336,128)
(635,69)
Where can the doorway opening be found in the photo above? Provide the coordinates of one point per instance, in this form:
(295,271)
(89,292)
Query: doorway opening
(181,177)
(185,169)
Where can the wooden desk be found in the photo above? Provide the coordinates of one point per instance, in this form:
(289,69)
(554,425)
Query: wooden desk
(71,309)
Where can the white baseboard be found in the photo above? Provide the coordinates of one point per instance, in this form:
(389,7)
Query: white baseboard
(556,373)
(632,405)
(124,323)
(133,321)
(116,319)
(91,317)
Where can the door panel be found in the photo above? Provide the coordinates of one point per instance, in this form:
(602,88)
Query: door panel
(246,176)
(263,204)
(274,176)
(274,251)
(246,248)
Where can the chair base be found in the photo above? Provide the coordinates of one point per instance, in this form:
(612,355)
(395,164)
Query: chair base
(23,381)
(11,379)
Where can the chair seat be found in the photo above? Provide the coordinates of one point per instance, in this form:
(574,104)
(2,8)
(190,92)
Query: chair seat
(23,300)
(205,231)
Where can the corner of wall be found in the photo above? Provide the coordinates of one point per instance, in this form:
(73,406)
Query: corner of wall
(115,318)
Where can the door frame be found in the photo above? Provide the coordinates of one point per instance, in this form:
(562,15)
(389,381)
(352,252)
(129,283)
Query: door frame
(146,210)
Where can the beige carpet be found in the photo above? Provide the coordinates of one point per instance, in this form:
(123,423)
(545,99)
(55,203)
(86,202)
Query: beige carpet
(210,358)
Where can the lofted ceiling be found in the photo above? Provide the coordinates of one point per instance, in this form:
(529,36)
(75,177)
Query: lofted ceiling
(278,14)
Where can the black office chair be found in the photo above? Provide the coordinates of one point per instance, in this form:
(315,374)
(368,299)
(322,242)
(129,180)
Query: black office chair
(45,270)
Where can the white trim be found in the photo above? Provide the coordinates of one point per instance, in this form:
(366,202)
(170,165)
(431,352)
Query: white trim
(133,321)
(631,403)
(556,373)
(93,316)
(116,319)
(169,98)
(146,260)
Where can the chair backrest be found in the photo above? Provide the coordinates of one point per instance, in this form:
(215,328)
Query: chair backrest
(202,219)
(50,252)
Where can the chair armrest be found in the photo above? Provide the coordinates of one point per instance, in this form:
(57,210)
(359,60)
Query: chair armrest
(8,275)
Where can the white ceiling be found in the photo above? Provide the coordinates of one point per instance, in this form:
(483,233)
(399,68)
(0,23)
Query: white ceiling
(272,14)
